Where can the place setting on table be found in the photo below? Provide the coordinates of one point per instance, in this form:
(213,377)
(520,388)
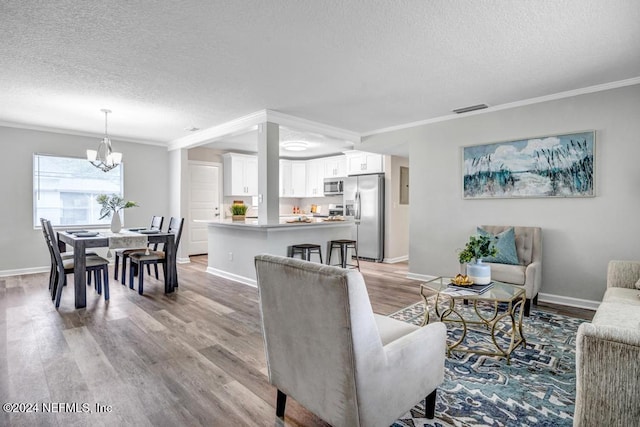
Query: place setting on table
(135,237)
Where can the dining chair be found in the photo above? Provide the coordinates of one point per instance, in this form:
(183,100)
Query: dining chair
(137,260)
(63,255)
(156,224)
(94,263)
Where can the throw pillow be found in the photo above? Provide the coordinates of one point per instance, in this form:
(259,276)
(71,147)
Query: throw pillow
(506,244)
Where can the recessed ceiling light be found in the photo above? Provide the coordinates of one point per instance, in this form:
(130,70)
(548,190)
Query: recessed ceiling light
(295,145)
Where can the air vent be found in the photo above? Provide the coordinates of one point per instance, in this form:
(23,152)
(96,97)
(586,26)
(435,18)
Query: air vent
(471,108)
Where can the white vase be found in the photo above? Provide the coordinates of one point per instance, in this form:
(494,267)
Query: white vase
(116,224)
(479,272)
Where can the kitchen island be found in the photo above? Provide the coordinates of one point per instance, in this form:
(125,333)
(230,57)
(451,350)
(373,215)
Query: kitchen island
(233,245)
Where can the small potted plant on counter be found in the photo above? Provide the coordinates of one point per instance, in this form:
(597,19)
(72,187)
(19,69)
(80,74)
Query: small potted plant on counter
(477,248)
(238,211)
(111,206)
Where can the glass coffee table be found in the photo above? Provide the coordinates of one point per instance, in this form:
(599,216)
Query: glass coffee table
(499,310)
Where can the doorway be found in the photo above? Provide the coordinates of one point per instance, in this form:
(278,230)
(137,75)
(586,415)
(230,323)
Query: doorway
(204,203)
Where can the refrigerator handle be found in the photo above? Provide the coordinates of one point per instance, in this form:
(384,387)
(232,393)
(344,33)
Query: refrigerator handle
(357,206)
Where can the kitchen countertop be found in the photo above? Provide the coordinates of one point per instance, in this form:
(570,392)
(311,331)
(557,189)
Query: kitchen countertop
(253,223)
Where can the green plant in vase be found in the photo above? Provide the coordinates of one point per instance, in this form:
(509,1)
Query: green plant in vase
(476,248)
(238,211)
(110,206)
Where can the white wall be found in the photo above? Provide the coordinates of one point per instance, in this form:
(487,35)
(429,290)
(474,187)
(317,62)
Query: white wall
(396,240)
(580,235)
(22,247)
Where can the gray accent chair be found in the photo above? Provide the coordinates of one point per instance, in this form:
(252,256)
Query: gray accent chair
(528,273)
(326,348)
(608,354)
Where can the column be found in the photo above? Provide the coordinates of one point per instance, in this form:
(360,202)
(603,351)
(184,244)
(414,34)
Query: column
(268,173)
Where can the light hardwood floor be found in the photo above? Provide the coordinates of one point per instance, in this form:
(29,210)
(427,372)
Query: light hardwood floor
(195,357)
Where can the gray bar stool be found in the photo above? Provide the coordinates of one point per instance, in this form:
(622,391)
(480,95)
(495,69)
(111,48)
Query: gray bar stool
(344,245)
(305,250)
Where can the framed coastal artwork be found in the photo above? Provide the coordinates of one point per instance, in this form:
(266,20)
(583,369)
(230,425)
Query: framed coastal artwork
(548,166)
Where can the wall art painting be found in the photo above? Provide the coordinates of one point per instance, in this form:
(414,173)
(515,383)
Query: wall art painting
(550,166)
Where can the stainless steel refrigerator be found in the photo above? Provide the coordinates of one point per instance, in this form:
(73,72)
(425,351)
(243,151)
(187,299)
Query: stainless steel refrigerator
(364,201)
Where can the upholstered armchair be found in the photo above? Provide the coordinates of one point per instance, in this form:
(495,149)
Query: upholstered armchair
(528,272)
(326,348)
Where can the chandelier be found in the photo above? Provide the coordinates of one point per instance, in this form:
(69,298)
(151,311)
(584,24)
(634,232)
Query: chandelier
(104,158)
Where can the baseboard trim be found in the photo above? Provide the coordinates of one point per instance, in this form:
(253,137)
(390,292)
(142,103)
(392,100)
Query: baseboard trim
(236,278)
(568,301)
(186,260)
(22,271)
(396,259)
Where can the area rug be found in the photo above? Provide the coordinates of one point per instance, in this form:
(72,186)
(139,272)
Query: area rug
(537,389)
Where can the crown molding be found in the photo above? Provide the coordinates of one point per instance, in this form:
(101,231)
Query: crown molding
(216,132)
(78,133)
(516,104)
(310,126)
(249,121)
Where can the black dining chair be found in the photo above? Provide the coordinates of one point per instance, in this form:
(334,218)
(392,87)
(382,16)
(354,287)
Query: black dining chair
(63,255)
(94,263)
(156,224)
(137,260)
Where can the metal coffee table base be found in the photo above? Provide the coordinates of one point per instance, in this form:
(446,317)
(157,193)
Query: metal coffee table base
(492,321)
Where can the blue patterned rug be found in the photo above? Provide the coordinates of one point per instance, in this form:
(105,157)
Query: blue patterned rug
(537,389)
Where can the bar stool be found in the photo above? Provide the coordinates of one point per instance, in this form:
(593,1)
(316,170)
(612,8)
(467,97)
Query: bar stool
(344,245)
(305,250)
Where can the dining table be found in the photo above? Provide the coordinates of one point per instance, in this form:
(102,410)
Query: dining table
(133,237)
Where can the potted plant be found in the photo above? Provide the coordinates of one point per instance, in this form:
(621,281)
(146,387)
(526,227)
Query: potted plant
(238,211)
(111,206)
(478,247)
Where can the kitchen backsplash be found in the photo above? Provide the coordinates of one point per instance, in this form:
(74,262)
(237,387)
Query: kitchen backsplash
(286,204)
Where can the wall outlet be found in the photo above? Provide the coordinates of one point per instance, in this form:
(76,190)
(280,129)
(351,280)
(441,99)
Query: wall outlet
(230,256)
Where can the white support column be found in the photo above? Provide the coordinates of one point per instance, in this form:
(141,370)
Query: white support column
(179,197)
(268,173)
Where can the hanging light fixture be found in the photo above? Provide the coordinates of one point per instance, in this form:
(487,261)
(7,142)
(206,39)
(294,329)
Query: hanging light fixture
(104,158)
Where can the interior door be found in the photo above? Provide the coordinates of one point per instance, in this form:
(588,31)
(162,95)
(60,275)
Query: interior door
(204,203)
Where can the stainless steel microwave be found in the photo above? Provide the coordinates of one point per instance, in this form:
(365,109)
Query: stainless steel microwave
(333,186)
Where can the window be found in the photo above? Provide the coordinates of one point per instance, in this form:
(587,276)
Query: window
(65,190)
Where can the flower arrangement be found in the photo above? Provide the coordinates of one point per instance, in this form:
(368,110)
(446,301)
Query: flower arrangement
(112,204)
(476,248)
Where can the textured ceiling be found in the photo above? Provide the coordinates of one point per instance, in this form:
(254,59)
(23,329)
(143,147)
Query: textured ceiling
(163,66)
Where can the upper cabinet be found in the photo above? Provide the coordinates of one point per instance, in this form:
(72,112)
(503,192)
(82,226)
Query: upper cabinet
(298,178)
(240,175)
(362,162)
(293,178)
(315,177)
(335,167)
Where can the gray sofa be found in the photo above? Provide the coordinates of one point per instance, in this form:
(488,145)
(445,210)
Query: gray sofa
(608,354)
(528,273)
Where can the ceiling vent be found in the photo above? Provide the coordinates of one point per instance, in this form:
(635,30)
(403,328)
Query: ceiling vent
(471,108)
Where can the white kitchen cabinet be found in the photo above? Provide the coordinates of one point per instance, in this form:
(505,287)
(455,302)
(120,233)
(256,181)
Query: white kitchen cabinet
(361,162)
(293,179)
(335,167)
(285,177)
(315,178)
(240,175)
(298,178)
